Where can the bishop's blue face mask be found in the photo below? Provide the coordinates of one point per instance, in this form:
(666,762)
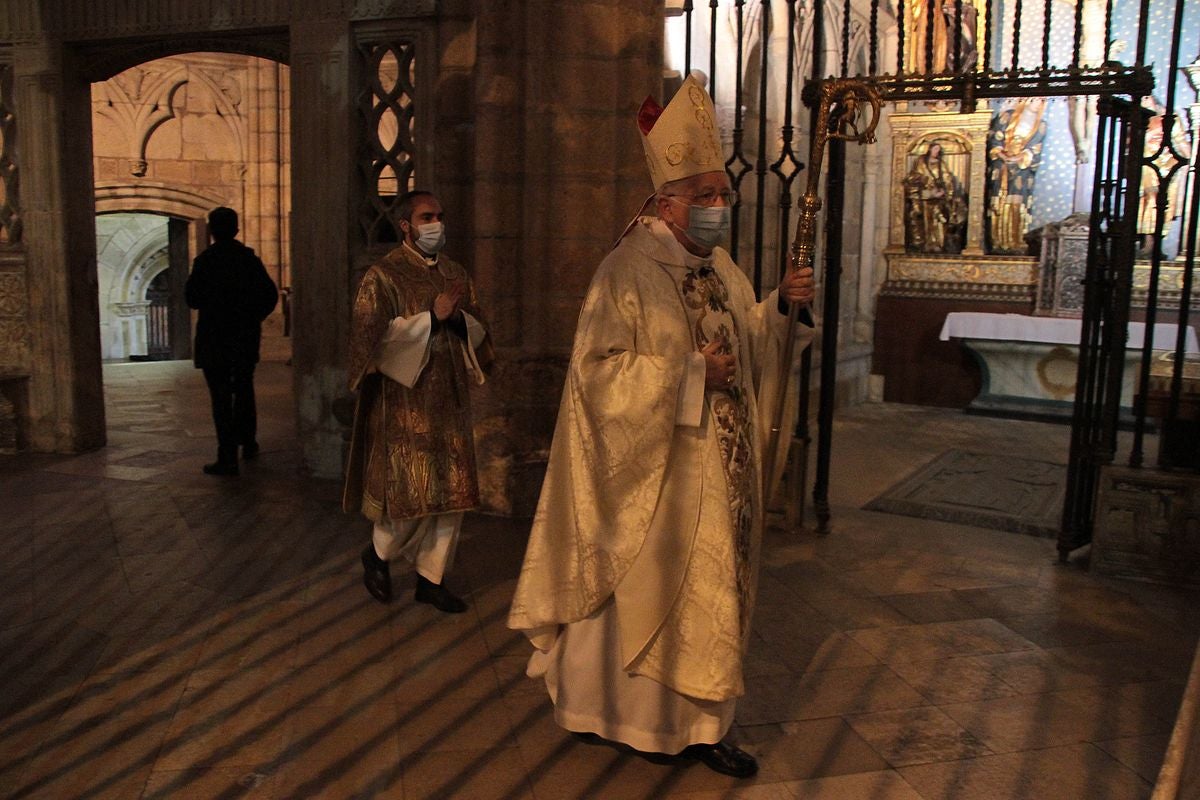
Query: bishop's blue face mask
(708,226)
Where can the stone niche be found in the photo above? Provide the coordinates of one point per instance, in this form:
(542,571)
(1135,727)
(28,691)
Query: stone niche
(1147,525)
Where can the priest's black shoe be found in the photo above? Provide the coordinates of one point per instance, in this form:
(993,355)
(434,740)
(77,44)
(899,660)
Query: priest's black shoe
(376,576)
(723,758)
(250,450)
(438,596)
(221,468)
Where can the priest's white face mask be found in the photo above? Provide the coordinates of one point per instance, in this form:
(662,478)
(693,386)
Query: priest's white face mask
(431,237)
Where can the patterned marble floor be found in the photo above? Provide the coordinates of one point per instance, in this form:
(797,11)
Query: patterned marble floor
(164,634)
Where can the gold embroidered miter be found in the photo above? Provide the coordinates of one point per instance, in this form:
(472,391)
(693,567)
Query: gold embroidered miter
(681,140)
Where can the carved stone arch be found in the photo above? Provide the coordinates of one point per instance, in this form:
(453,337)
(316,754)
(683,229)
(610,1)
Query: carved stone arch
(153,197)
(228,111)
(139,115)
(146,258)
(103,61)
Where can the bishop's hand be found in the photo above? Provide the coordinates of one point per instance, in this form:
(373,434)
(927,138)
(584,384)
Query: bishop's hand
(720,370)
(797,286)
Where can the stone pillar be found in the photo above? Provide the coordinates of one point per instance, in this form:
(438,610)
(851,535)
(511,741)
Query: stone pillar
(323,154)
(53,104)
(559,170)
(868,286)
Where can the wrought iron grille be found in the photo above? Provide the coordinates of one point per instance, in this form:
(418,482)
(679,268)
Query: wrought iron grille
(158,318)
(949,55)
(387,110)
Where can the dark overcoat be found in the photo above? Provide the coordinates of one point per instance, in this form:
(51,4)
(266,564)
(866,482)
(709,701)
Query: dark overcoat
(231,289)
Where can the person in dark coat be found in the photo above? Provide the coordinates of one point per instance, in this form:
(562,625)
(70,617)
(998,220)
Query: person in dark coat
(233,293)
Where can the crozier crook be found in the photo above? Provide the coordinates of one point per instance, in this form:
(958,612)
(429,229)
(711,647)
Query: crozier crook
(840,105)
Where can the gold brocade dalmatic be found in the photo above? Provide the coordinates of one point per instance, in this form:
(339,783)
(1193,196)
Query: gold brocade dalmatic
(412,451)
(662,518)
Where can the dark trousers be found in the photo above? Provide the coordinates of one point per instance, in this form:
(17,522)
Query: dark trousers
(232,392)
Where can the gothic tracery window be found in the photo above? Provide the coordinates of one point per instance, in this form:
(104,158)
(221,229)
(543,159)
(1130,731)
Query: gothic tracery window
(387,163)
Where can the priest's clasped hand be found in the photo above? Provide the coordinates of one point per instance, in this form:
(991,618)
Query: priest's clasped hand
(719,369)
(798,287)
(445,305)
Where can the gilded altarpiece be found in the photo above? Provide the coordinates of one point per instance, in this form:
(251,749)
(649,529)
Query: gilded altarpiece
(937,213)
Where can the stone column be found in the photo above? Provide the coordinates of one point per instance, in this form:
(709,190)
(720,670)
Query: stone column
(864,318)
(558,170)
(323,153)
(53,104)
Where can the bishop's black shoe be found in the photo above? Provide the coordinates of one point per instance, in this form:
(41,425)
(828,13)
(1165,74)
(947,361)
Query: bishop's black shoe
(250,450)
(438,596)
(376,576)
(221,468)
(723,758)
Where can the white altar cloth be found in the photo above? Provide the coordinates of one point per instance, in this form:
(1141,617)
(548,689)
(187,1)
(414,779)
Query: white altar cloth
(1049,330)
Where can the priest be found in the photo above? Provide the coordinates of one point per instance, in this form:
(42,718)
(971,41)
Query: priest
(417,343)
(639,578)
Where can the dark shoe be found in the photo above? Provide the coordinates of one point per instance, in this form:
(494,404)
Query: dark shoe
(723,758)
(221,468)
(250,451)
(376,576)
(438,596)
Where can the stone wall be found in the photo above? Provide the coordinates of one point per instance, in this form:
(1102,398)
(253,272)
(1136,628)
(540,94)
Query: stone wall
(558,171)
(208,127)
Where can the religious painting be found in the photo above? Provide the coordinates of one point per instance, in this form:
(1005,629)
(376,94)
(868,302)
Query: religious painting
(935,196)
(1014,155)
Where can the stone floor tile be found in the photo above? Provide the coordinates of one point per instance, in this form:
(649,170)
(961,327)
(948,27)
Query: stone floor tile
(207,783)
(1048,720)
(496,774)
(248,593)
(352,751)
(916,736)
(1035,671)
(953,680)
(761,791)
(814,748)
(835,651)
(54,644)
(934,606)
(956,637)
(826,694)
(1007,601)
(146,570)
(1142,754)
(1059,629)
(238,735)
(456,721)
(109,758)
(1125,662)
(864,786)
(1076,772)
(852,612)
(900,580)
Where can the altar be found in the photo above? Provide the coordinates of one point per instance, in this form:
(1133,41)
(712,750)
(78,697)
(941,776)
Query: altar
(1029,363)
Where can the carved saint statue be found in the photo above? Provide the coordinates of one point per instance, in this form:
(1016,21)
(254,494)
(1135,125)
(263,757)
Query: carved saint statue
(934,30)
(935,204)
(1014,155)
(1164,157)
